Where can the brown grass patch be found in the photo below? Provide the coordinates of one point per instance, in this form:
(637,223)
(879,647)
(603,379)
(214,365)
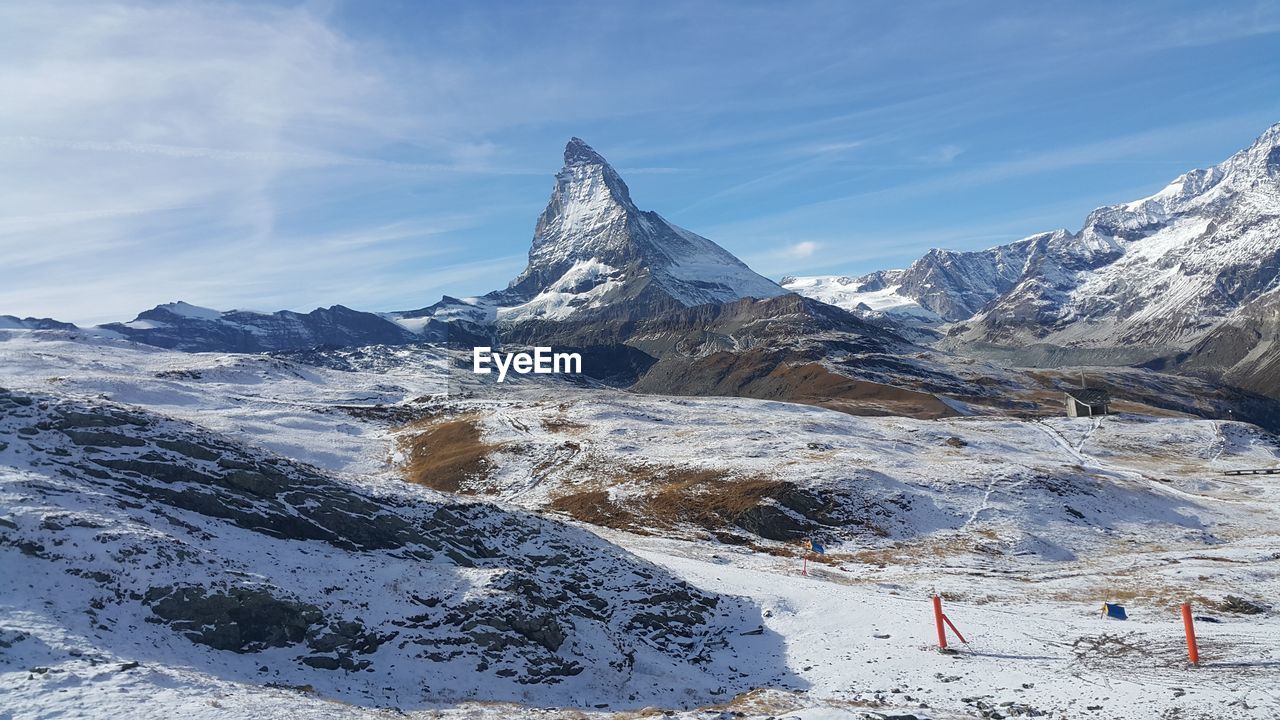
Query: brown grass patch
(771,376)
(449,456)
(669,497)
(595,507)
(708,498)
(776,550)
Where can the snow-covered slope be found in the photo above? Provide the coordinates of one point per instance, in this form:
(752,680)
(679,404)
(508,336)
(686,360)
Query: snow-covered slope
(131,539)
(152,499)
(876,295)
(471,310)
(943,286)
(1031,487)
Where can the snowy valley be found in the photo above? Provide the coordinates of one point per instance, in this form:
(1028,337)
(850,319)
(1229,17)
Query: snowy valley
(627,551)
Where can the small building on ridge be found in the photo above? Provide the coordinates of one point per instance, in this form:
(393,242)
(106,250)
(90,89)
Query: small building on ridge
(1087,402)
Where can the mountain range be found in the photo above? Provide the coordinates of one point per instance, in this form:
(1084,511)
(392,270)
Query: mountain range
(325,514)
(1186,280)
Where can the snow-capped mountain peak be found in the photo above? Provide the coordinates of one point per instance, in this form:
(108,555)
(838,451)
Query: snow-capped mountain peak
(875,295)
(578,152)
(591,223)
(1154,274)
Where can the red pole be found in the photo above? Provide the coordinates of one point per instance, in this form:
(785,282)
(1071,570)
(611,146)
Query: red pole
(937,619)
(804,569)
(1193,652)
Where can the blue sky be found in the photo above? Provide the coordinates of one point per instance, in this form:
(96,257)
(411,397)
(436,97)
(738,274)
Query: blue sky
(379,154)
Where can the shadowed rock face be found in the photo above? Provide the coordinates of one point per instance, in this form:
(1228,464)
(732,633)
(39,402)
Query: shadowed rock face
(678,352)
(241,619)
(241,551)
(1245,350)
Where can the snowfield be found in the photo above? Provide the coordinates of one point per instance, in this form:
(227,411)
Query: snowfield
(1025,527)
(852,295)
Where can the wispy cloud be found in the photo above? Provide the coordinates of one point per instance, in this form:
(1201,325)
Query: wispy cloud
(153,151)
(468,159)
(942,154)
(240,153)
(788,256)
(833,148)
(1118,150)
(803,249)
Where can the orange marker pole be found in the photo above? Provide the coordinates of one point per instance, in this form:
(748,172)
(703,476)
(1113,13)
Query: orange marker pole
(804,569)
(1193,652)
(954,630)
(937,619)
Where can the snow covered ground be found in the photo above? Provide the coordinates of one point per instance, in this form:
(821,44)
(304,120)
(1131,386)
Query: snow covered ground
(284,406)
(1025,527)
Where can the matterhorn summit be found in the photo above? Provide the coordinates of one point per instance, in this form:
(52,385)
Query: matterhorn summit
(593,247)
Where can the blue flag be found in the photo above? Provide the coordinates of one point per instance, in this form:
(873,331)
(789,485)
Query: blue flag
(817,548)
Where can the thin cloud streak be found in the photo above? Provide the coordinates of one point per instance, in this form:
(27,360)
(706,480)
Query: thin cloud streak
(338,152)
(1105,152)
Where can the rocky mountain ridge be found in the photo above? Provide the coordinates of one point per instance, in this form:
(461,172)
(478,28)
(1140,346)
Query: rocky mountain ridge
(182,326)
(1184,279)
(1166,279)
(593,247)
